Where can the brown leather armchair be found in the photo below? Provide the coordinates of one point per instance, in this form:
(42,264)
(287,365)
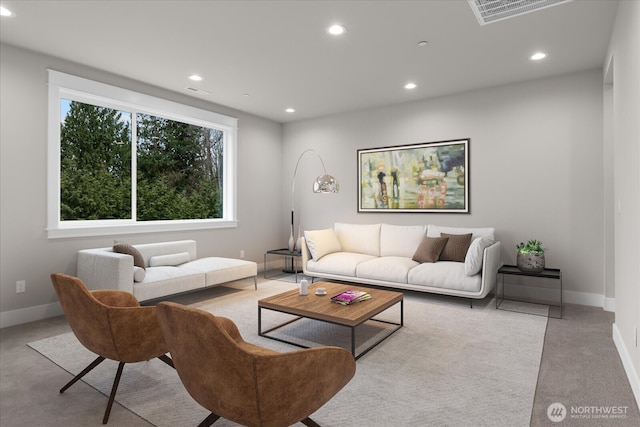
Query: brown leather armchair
(111,324)
(246,383)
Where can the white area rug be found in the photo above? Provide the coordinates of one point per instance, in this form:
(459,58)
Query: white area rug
(449,365)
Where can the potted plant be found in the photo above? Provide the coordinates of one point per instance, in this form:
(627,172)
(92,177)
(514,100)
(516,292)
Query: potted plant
(530,256)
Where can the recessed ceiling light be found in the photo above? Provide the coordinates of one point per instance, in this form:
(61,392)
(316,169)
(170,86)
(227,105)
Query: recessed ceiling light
(336,29)
(290,110)
(195,78)
(5,12)
(423,43)
(410,86)
(538,56)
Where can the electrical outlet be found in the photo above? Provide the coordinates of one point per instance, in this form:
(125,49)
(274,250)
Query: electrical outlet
(242,253)
(20,286)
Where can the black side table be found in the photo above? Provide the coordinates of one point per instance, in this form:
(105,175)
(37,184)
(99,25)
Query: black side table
(292,261)
(547,273)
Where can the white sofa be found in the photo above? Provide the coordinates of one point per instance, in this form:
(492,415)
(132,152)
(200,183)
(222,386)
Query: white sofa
(170,268)
(381,254)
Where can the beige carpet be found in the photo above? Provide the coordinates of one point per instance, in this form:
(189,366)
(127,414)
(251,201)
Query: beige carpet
(450,365)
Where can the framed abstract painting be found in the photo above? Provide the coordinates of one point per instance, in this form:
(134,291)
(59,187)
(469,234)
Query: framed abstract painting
(427,177)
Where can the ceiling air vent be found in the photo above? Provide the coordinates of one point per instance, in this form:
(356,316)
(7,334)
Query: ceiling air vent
(489,11)
(198,91)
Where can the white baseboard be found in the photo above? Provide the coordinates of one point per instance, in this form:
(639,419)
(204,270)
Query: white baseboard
(610,304)
(40,312)
(583,298)
(570,297)
(630,370)
(30,314)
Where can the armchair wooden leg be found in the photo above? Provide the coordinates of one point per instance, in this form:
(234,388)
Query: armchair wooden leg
(112,396)
(212,418)
(166,359)
(309,422)
(92,365)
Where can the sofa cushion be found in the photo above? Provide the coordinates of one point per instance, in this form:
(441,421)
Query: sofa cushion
(359,238)
(167,280)
(444,275)
(429,249)
(322,242)
(456,247)
(338,263)
(475,254)
(125,248)
(221,270)
(170,259)
(435,230)
(400,240)
(392,269)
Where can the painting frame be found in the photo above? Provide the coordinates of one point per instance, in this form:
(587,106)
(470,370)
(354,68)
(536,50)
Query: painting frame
(426,177)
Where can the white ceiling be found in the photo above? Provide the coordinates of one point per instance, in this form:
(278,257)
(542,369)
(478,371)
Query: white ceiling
(264,56)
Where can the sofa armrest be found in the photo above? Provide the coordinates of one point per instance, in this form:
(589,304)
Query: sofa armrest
(102,269)
(491,262)
(306,255)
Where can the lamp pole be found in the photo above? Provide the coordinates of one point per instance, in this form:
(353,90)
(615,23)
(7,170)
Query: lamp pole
(323,184)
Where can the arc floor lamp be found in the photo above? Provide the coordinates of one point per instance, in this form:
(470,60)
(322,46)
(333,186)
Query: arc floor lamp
(322,184)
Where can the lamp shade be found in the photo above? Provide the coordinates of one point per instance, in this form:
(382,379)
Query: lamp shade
(325,184)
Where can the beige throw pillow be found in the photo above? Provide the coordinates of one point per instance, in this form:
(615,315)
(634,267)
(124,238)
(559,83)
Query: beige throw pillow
(125,248)
(456,247)
(322,242)
(429,249)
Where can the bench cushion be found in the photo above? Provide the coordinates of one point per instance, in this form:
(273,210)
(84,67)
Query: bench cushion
(221,270)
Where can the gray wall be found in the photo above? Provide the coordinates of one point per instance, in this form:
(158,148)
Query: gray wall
(27,254)
(536,167)
(623,87)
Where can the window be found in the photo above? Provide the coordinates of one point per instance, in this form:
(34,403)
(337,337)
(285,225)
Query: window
(124,162)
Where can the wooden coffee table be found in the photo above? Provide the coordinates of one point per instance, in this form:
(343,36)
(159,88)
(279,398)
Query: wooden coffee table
(323,309)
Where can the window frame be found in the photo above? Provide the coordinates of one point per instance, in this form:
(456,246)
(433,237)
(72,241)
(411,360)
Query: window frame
(67,86)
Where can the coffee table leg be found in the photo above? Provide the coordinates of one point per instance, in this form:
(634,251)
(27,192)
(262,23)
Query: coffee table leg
(353,341)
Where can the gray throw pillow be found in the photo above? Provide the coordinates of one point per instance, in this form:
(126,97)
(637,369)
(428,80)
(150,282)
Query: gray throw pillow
(429,249)
(456,247)
(125,248)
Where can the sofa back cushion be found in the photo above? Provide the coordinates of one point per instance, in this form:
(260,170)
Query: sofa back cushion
(149,250)
(359,238)
(401,240)
(486,232)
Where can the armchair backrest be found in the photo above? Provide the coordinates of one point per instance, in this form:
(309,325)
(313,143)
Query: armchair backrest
(88,317)
(214,369)
(243,382)
(110,323)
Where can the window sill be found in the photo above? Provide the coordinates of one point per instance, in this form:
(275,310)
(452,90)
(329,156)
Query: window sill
(137,228)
